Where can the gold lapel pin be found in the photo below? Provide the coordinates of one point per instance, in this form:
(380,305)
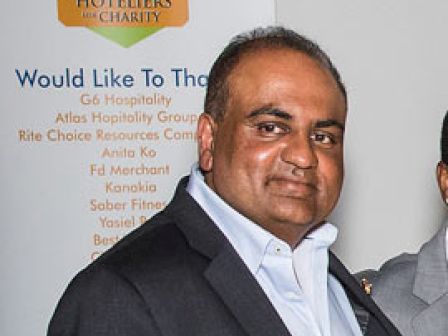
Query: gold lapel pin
(366,286)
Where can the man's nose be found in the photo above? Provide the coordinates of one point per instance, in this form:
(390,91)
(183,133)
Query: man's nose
(300,152)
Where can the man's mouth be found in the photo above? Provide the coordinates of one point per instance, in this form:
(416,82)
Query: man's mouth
(292,187)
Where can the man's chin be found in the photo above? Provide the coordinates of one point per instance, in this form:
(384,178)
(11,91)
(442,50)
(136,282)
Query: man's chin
(291,228)
(297,217)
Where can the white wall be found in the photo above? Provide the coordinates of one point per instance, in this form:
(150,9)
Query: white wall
(393,58)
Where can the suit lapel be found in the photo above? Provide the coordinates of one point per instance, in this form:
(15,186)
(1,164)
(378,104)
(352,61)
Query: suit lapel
(372,321)
(226,273)
(432,320)
(231,279)
(351,286)
(431,286)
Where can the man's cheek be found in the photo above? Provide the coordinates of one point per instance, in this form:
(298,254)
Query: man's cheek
(262,153)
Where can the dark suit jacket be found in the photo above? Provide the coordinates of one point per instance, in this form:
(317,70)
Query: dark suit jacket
(177,275)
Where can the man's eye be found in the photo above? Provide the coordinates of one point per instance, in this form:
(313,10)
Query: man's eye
(323,138)
(271,128)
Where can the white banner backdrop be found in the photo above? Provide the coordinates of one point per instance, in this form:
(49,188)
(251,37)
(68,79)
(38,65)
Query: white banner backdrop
(94,137)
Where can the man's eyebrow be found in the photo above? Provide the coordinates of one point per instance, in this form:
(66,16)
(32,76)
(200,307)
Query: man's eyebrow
(329,123)
(269,110)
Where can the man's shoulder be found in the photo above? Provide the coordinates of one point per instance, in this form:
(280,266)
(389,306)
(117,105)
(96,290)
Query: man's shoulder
(154,254)
(141,270)
(163,249)
(400,266)
(396,275)
(404,266)
(156,238)
(396,272)
(148,244)
(158,241)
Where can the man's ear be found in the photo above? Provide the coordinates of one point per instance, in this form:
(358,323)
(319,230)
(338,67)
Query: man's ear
(205,133)
(442,179)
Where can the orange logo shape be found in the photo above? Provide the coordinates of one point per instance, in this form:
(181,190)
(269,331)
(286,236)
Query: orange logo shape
(123,13)
(125,22)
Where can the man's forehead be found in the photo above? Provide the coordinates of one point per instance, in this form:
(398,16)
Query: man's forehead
(282,62)
(276,76)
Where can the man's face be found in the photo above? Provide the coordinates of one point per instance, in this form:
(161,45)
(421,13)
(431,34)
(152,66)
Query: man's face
(277,155)
(442,180)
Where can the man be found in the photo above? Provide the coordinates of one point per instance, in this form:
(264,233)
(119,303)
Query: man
(412,289)
(242,249)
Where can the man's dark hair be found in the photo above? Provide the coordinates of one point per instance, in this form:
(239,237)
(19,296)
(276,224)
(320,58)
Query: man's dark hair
(258,39)
(444,140)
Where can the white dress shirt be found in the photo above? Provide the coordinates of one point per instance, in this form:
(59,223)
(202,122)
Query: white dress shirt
(308,299)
